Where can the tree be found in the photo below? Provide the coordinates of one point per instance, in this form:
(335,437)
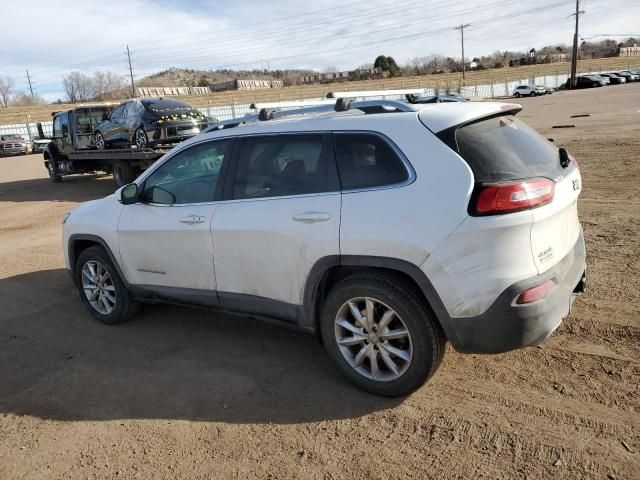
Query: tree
(78,87)
(387,64)
(6,90)
(105,85)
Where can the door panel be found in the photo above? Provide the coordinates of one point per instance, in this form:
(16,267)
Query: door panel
(165,239)
(168,245)
(267,247)
(281,216)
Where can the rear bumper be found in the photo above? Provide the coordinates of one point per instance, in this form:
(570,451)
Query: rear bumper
(506,326)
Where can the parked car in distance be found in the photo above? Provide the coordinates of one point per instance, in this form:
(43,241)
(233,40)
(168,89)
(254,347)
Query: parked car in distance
(13,144)
(412,98)
(547,90)
(149,122)
(38,144)
(600,77)
(587,81)
(359,227)
(528,91)
(614,79)
(628,76)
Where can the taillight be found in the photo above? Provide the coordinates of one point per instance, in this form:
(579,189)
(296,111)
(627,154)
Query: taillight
(534,294)
(510,197)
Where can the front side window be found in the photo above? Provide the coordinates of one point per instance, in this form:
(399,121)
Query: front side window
(273,166)
(190,176)
(366,160)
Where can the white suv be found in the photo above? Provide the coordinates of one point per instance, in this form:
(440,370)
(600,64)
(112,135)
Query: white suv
(388,228)
(529,91)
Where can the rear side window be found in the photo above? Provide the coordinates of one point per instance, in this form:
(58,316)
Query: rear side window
(366,160)
(274,166)
(504,148)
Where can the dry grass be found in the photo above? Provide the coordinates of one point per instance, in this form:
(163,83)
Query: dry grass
(452,80)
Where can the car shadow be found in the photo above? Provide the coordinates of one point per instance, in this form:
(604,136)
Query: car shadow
(170,362)
(74,188)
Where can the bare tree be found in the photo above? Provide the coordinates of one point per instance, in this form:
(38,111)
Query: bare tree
(6,90)
(78,86)
(106,85)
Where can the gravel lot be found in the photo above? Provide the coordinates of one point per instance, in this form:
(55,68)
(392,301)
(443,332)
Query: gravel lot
(192,394)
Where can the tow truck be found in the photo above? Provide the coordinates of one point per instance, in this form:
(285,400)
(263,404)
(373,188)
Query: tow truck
(72,150)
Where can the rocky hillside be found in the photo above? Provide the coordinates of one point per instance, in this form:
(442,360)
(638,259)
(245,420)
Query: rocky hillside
(179,77)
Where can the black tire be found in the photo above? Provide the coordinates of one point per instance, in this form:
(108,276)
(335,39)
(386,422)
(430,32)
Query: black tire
(532,94)
(125,306)
(517,94)
(99,141)
(140,138)
(123,173)
(54,176)
(427,338)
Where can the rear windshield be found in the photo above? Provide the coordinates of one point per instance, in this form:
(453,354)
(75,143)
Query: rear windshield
(504,148)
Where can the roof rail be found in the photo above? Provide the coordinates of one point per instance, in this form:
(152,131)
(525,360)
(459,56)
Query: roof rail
(373,106)
(234,122)
(292,104)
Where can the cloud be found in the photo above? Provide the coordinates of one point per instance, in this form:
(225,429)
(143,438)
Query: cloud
(53,37)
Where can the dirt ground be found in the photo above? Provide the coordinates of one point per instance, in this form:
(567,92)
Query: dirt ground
(186,393)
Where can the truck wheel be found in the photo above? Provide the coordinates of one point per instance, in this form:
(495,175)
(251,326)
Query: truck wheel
(141,139)
(123,173)
(98,140)
(101,288)
(53,175)
(381,335)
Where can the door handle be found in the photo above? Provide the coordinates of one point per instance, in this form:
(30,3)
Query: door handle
(193,219)
(311,217)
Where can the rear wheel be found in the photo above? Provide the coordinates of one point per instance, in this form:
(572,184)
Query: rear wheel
(102,289)
(123,173)
(532,94)
(381,334)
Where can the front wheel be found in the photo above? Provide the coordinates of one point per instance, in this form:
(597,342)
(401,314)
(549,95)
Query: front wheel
(54,176)
(140,138)
(517,94)
(102,289)
(381,335)
(98,140)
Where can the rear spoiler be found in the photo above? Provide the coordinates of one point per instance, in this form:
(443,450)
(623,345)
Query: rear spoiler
(441,116)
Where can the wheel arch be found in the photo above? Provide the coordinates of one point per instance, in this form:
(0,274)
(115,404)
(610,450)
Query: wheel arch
(329,270)
(80,242)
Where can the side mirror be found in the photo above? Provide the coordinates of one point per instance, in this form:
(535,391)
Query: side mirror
(129,194)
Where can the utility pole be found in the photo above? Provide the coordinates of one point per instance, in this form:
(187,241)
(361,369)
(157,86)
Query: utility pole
(133,88)
(574,54)
(30,86)
(461,28)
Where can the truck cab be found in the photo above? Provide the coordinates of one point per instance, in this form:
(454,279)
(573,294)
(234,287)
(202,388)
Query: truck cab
(73,129)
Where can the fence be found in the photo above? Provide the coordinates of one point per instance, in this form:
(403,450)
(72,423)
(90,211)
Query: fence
(491,90)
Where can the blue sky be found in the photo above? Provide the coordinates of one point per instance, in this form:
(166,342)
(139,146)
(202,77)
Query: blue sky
(54,37)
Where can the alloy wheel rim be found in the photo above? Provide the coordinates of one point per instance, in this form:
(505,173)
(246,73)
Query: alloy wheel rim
(373,339)
(99,141)
(98,287)
(141,139)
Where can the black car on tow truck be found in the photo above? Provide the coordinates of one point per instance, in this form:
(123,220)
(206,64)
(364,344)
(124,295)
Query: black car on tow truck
(72,149)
